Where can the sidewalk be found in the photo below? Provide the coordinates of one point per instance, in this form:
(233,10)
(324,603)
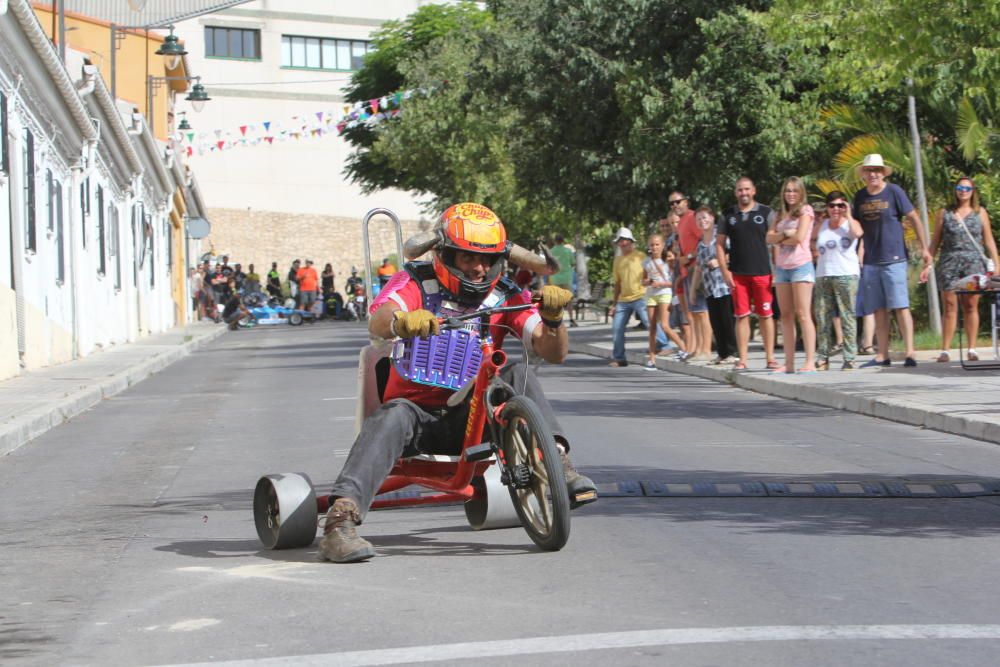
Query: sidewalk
(938,396)
(34,402)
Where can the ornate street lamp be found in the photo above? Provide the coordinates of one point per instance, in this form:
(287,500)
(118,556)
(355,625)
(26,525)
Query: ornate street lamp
(198,96)
(172,49)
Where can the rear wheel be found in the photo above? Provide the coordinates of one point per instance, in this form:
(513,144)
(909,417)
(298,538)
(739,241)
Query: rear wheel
(295,319)
(285,511)
(537,484)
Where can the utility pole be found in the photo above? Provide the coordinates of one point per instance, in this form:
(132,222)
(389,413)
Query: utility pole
(918,173)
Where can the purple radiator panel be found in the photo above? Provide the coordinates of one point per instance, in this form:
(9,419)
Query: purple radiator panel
(447,360)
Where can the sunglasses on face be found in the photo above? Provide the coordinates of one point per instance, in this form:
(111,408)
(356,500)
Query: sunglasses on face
(963,188)
(675,202)
(838,204)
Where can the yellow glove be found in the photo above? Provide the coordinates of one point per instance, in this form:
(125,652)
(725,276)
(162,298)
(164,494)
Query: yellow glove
(421,323)
(554,300)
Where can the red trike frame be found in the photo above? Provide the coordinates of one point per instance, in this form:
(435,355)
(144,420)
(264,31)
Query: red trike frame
(452,478)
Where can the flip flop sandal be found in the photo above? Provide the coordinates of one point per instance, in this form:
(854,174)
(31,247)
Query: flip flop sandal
(774,365)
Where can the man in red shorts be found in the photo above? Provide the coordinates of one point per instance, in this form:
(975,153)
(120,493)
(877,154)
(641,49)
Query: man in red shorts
(748,273)
(464,276)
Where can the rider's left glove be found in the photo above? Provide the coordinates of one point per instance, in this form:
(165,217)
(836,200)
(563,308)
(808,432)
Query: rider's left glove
(421,323)
(554,300)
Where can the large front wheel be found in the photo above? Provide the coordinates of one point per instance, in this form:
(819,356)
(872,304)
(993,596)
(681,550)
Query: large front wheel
(537,484)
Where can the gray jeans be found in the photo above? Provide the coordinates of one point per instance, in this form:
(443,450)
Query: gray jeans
(402,428)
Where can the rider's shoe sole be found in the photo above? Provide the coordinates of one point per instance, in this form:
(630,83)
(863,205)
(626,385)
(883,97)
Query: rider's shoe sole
(582,498)
(354,557)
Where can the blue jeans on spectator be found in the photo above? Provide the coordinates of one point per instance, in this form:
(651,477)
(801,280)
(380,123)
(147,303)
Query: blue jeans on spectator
(623,311)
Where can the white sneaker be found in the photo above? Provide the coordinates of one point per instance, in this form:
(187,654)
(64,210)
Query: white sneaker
(973,355)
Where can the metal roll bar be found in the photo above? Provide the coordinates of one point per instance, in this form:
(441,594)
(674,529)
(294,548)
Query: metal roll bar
(366,244)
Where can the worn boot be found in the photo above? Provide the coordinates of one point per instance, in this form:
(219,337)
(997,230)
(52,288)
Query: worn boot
(340,542)
(581,489)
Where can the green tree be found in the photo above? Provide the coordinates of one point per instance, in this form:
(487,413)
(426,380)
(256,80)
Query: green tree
(397,42)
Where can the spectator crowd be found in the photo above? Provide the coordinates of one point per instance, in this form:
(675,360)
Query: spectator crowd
(832,277)
(225,293)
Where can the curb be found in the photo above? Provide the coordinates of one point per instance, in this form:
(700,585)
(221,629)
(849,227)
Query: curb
(29,426)
(892,409)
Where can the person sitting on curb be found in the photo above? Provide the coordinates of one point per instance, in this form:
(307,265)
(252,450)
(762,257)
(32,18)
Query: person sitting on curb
(234,310)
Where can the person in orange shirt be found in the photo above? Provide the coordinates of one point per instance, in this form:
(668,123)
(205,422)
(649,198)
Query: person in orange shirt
(308,285)
(386,271)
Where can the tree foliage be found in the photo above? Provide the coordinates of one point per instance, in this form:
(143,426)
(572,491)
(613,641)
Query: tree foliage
(581,115)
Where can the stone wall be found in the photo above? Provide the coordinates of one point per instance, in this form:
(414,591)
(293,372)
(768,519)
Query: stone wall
(262,237)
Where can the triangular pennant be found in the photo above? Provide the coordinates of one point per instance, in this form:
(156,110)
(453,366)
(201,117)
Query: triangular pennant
(190,136)
(270,140)
(267,126)
(218,134)
(319,115)
(243,130)
(374,105)
(220,144)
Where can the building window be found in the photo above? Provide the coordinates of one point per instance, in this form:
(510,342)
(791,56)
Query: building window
(322,53)
(4,146)
(28,164)
(85,207)
(137,243)
(58,230)
(115,245)
(102,266)
(169,240)
(150,233)
(232,43)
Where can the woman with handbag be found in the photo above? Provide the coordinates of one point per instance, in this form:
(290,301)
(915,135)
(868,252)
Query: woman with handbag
(964,237)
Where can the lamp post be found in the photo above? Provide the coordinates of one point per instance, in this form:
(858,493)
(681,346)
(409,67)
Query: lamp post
(197,97)
(918,173)
(171,49)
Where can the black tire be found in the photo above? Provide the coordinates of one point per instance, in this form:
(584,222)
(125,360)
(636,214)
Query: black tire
(295,319)
(543,505)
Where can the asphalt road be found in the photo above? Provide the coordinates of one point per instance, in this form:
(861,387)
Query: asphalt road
(126,535)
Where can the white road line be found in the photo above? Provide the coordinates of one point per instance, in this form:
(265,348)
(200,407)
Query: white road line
(342,398)
(645,391)
(615,640)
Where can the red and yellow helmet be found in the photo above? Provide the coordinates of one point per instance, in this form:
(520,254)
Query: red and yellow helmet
(472,228)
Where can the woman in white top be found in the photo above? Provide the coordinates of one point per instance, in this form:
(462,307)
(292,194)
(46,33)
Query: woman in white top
(659,292)
(837,273)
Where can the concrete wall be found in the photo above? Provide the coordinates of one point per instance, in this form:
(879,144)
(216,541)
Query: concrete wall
(262,237)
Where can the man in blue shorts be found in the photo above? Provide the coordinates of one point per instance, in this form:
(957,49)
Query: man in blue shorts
(882,208)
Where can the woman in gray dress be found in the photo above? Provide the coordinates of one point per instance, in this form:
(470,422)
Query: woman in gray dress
(964,237)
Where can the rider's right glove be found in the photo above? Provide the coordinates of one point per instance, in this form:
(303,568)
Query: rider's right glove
(421,323)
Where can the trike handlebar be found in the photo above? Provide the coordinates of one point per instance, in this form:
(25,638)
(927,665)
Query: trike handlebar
(457,321)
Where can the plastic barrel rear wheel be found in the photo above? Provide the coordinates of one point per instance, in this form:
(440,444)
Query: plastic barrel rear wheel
(285,511)
(539,486)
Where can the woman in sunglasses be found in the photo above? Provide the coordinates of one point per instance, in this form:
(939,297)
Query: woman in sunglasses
(837,275)
(963,235)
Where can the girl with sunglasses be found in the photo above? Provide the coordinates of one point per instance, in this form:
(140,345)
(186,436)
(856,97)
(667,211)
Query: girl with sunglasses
(962,233)
(837,274)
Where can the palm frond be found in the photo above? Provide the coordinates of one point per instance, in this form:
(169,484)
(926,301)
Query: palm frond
(972,135)
(848,117)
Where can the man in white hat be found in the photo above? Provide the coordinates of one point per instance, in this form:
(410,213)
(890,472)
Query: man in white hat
(883,208)
(630,295)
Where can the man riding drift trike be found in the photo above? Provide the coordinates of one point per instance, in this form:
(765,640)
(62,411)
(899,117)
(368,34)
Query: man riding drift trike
(470,247)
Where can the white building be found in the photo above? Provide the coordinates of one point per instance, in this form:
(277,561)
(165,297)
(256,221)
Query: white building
(93,211)
(269,159)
